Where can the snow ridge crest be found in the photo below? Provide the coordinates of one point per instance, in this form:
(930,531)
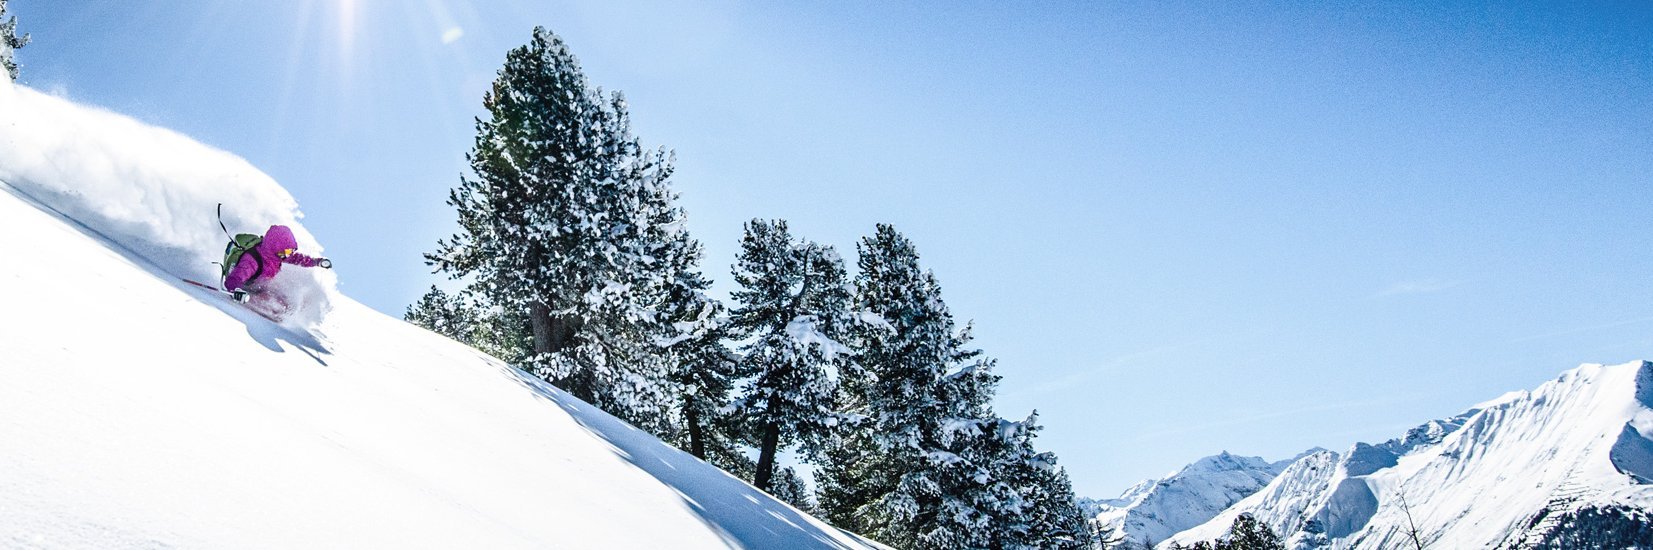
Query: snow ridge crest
(1155,509)
(1644,384)
(1582,439)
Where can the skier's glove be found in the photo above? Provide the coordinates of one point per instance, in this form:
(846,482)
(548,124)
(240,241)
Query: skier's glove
(325,263)
(240,296)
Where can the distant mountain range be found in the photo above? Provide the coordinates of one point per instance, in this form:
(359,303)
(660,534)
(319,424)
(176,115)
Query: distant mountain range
(1155,509)
(1565,465)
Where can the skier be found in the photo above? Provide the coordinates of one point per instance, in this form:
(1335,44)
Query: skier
(262,261)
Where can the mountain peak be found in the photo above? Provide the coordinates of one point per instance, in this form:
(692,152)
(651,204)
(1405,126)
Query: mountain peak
(1578,442)
(1155,509)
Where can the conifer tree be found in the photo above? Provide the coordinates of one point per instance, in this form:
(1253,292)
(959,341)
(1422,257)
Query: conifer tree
(443,314)
(792,310)
(1246,533)
(464,318)
(1249,534)
(568,222)
(1049,515)
(935,467)
(790,488)
(9,42)
(703,369)
(850,477)
(910,481)
(1056,521)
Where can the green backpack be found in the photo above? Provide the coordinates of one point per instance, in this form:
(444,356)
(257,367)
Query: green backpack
(239,246)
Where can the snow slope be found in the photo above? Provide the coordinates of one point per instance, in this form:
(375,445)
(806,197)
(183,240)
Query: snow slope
(1155,509)
(140,412)
(150,191)
(1483,479)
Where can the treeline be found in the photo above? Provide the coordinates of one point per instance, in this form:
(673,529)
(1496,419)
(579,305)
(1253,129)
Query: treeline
(578,268)
(1596,526)
(1246,533)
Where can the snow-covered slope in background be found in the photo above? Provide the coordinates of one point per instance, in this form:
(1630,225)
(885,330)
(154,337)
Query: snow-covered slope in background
(139,412)
(1155,509)
(1483,479)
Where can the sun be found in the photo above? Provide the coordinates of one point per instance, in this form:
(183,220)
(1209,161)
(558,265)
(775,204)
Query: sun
(347,11)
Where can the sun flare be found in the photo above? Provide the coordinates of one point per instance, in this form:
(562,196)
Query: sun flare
(347,26)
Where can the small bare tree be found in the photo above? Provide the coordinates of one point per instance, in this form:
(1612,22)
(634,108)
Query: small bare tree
(1105,535)
(1411,526)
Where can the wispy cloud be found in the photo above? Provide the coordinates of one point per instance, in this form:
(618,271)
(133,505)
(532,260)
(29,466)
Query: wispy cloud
(1424,286)
(453,34)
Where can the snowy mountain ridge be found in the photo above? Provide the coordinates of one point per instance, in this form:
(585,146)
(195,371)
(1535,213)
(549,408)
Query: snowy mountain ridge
(1154,509)
(1499,475)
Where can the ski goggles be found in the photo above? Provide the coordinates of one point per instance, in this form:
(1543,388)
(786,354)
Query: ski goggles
(285,252)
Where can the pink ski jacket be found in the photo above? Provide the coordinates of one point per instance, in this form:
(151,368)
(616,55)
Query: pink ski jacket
(263,262)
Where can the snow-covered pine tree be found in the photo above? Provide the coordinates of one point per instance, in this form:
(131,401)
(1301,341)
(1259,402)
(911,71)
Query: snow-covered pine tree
(651,244)
(916,477)
(466,319)
(9,42)
(1246,533)
(791,489)
(567,220)
(792,311)
(1249,534)
(703,368)
(850,476)
(1049,516)
(1056,520)
(444,314)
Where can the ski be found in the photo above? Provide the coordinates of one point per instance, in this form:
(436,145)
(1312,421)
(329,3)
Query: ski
(208,287)
(227,294)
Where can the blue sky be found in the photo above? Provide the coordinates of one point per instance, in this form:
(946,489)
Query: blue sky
(1181,228)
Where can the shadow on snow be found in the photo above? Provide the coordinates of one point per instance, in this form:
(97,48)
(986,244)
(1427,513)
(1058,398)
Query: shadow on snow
(740,513)
(267,333)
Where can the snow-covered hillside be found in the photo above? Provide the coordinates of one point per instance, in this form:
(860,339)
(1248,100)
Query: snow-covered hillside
(1155,509)
(151,192)
(1500,475)
(140,412)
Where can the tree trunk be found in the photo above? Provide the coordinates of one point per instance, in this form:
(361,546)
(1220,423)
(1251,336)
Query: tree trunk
(697,441)
(539,321)
(766,457)
(554,334)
